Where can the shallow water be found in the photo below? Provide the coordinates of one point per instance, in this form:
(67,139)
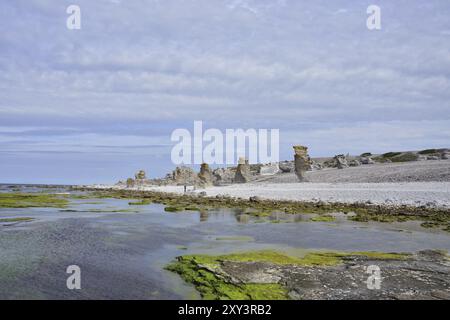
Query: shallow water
(122,254)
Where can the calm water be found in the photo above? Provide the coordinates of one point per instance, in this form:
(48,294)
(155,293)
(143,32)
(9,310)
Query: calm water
(122,254)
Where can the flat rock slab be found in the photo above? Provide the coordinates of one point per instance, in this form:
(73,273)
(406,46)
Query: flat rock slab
(426,275)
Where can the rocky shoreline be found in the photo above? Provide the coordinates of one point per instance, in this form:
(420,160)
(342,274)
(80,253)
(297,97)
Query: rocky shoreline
(318,275)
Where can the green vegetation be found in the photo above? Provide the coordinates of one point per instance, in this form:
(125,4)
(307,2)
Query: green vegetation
(428,151)
(30,200)
(143,202)
(391,154)
(235,238)
(397,157)
(366,154)
(405,157)
(205,273)
(323,218)
(18,219)
(101,210)
(173,209)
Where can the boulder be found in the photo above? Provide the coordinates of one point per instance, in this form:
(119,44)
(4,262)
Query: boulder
(354,163)
(286,166)
(302,162)
(366,160)
(184,176)
(140,175)
(224,175)
(433,158)
(140,178)
(269,169)
(340,161)
(445,156)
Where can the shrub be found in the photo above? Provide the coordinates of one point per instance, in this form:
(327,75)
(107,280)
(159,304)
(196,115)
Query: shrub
(409,156)
(428,151)
(391,154)
(366,154)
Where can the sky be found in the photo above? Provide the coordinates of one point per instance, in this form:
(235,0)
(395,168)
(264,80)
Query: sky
(97,104)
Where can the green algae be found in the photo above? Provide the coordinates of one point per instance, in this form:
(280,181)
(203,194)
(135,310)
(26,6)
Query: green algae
(173,209)
(323,218)
(363,212)
(204,271)
(30,200)
(143,202)
(18,219)
(235,238)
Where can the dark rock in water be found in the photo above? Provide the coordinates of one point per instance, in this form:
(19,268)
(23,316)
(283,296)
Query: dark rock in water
(302,162)
(243,174)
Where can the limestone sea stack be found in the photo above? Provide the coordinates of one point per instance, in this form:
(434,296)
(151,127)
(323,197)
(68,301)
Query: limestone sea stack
(302,162)
(205,175)
(243,174)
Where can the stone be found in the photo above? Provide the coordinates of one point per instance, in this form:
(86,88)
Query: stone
(184,176)
(445,156)
(140,175)
(433,158)
(269,169)
(302,162)
(243,174)
(223,175)
(340,161)
(205,175)
(286,166)
(366,160)
(254,199)
(130,183)
(354,163)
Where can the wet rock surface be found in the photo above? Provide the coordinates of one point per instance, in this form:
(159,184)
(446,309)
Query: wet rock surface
(425,275)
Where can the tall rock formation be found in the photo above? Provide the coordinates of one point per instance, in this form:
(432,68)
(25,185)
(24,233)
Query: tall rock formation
(243,174)
(302,162)
(205,175)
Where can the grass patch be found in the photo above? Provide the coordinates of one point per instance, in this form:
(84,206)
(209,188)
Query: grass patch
(30,200)
(18,219)
(323,218)
(143,202)
(173,209)
(405,157)
(235,238)
(428,151)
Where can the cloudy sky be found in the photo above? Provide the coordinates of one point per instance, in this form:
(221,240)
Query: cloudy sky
(96,104)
